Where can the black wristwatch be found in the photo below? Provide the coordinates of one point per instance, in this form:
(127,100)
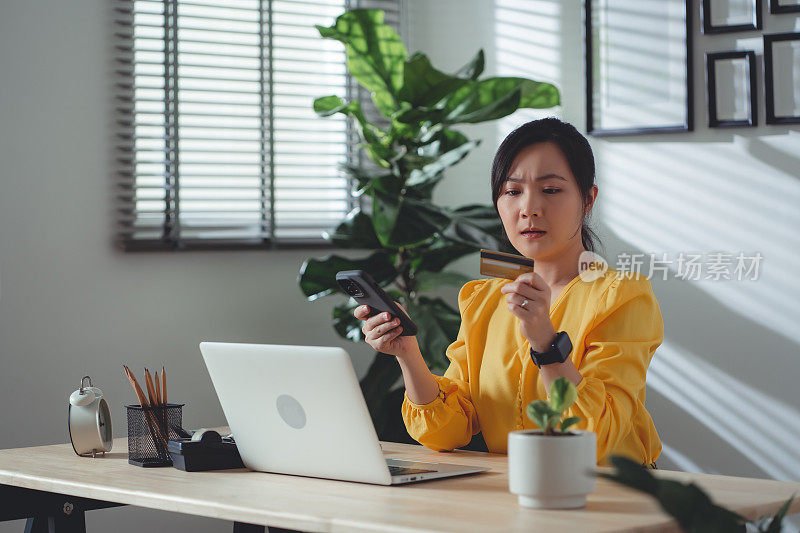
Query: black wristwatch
(558,352)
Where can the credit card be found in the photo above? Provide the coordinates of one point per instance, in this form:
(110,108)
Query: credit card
(503,265)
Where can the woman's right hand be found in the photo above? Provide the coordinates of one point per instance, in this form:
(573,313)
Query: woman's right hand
(382,332)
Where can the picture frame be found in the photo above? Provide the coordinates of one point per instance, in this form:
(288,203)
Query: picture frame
(781,69)
(731,104)
(778,7)
(743,15)
(647,87)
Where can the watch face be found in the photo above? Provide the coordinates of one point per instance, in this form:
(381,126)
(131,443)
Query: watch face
(558,353)
(564,345)
(104,424)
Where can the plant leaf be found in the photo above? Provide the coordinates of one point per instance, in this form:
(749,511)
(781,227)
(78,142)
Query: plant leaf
(539,411)
(326,106)
(565,424)
(494,98)
(375,53)
(317,277)
(776,524)
(438,325)
(362,176)
(384,101)
(546,424)
(693,509)
(387,184)
(382,155)
(381,376)
(413,161)
(562,394)
(472,109)
(345,324)
(478,226)
(442,141)
(687,503)
(355,231)
(405,134)
(423,85)
(432,172)
(377,143)
(437,254)
(405,221)
(632,474)
(474,68)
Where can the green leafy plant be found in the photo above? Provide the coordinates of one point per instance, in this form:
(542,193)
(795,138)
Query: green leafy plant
(547,414)
(691,507)
(410,240)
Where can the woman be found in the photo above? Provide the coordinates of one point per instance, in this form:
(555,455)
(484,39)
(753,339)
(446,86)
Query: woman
(542,179)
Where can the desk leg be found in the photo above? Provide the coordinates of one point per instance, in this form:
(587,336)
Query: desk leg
(57,524)
(47,512)
(50,512)
(241,527)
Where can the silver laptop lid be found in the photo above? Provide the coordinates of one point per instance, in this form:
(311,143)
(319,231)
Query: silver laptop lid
(296,410)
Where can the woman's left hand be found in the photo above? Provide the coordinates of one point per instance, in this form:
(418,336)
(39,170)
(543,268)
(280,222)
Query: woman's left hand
(534,317)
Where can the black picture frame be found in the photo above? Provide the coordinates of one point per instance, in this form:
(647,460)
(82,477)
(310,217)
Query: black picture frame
(688,120)
(769,78)
(776,9)
(711,84)
(708,28)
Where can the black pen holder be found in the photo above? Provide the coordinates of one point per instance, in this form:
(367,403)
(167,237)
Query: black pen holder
(149,431)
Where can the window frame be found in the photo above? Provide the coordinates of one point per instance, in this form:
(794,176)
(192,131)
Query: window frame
(125,141)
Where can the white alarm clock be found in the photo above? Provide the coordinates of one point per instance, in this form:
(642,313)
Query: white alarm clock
(89,421)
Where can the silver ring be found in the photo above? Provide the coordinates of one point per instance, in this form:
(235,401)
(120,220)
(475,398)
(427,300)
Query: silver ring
(524,303)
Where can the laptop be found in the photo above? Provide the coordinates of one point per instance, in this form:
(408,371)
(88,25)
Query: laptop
(299,410)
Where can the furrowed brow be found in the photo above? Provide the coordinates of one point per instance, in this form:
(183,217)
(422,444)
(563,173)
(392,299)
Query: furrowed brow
(540,178)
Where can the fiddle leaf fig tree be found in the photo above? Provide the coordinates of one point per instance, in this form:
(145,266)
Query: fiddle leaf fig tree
(407,240)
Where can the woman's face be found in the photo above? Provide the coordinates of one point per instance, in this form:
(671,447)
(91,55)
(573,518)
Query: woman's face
(541,192)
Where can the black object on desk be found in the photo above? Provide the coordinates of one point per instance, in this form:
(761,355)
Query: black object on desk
(206,450)
(148,431)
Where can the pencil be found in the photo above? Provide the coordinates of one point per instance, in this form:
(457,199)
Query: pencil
(164,398)
(152,425)
(136,388)
(157,383)
(164,384)
(148,381)
(161,412)
(157,412)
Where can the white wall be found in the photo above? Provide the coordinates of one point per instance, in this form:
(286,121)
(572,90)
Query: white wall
(71,305)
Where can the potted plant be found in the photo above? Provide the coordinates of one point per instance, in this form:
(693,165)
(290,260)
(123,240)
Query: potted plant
(688,504)
(399,235)
(551,467)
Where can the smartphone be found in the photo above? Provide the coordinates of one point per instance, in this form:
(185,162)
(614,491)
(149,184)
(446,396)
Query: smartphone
(363,289)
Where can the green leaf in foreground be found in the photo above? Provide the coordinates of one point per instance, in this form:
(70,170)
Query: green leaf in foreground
(318,276)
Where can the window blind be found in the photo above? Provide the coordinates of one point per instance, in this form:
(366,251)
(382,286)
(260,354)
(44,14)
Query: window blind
(217,142)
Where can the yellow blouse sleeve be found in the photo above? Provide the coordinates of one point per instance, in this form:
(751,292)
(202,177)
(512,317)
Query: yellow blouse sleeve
(627,329)
(450,420)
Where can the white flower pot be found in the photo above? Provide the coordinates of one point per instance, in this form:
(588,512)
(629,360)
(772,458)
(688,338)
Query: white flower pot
(552,472)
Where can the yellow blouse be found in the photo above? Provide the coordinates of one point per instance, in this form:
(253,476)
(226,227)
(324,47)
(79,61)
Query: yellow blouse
(615,326)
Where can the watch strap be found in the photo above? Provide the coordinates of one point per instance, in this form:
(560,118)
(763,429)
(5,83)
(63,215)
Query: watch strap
(558,352)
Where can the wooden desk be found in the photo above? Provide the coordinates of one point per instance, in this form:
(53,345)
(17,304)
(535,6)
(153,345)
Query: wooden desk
(251,500)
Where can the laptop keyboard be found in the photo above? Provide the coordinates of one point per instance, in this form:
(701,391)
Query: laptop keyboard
(402,470)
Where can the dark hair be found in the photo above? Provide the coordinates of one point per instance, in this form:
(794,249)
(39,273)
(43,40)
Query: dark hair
(572,144)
